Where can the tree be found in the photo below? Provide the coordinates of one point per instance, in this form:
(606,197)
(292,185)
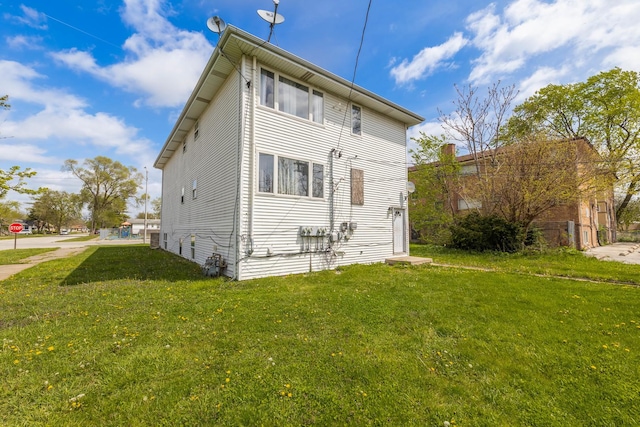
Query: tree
(477,122)
(435,176)
(156,206)
(107,185)
(535,175)
(9,211)
(4,102)
(14,180)
(605,109)
(57,208)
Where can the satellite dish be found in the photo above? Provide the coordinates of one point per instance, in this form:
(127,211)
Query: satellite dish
(216,24)
(271,17)
(411,187)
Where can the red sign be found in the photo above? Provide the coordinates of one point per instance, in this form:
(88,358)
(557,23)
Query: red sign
(15,227)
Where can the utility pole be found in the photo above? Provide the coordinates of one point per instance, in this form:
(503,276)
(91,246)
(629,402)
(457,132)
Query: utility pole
(146,196)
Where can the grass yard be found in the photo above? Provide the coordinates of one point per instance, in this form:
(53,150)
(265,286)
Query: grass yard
(130,336)
(17,256)
(564,263)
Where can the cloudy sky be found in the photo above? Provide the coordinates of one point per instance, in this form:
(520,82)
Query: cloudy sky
(110,77)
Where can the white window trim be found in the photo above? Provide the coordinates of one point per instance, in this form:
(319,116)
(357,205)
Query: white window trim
(275,192)
(276,104)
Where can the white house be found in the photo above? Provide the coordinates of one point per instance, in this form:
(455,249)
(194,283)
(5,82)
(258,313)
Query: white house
(278,166)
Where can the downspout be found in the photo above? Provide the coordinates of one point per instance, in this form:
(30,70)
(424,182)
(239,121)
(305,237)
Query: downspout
(237,219)
(252,158)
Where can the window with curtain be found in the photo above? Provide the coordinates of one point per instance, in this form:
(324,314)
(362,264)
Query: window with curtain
(293,98)
(318,180)
(265,173)
(317,106)
(356,120)
(266,88)
(293,177)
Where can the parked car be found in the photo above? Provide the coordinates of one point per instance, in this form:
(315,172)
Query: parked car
(64,232)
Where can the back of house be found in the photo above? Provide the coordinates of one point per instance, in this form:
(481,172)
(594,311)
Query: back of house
(276,166)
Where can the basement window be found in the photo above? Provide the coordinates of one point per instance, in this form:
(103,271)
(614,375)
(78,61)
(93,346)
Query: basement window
(193,246)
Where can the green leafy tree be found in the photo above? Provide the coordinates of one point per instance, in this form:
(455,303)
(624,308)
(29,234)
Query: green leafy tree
(4,102)
(605,109)
(156,206)
(107,186)
(14,179)
(9,211)
(435,176)
(57,208)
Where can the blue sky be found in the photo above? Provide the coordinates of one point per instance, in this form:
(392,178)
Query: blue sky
(110,77)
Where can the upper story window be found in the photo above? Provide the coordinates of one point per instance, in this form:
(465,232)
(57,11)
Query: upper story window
(291,97)
(196,131)
(356,120)
(194,189)
(293,177)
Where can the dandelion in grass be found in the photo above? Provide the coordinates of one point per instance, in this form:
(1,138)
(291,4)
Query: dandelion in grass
(51,348)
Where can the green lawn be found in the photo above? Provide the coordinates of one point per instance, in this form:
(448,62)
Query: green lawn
(565,263)
(17,256)
(131,336)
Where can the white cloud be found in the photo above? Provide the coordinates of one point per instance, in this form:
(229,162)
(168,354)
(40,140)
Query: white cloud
(24,42)
(543,76)
(62,117)
(32,18)
(428,60)
(529,29)
(163,64)
(21,153)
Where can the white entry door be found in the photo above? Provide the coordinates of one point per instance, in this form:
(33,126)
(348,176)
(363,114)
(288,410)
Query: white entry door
(399,232)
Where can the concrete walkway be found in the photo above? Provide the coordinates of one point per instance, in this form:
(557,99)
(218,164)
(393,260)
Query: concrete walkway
(626,252)
(65,249)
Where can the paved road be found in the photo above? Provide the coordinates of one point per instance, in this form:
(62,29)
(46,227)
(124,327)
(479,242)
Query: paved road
(55,241)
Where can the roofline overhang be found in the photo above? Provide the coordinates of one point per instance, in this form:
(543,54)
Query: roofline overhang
(212,67)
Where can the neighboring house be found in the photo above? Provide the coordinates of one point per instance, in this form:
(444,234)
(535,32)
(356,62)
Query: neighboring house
(281,167)
(137,225)
(583,222)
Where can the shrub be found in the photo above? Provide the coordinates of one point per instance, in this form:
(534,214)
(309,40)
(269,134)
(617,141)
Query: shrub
(487,233)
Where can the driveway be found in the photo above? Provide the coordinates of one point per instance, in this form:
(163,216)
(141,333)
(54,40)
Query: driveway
(626,252)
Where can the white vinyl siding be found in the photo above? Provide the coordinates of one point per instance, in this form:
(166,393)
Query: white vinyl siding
(275,244)
(209,213)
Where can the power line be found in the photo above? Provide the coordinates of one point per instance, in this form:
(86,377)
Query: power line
(82,31)
(355,69)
